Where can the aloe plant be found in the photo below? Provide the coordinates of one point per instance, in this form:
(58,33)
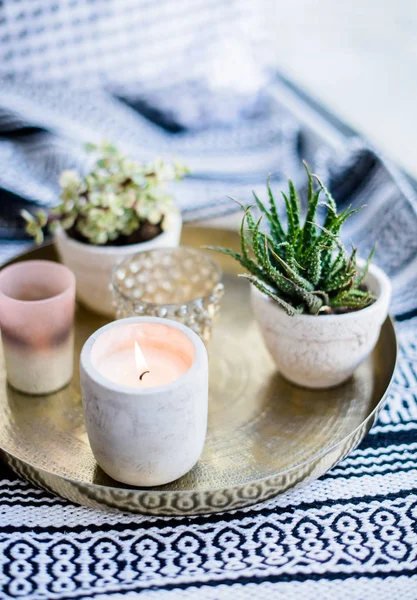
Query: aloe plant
(302,266)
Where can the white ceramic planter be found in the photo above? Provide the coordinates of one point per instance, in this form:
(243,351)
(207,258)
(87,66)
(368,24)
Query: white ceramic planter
(145,436)
(323,351)
(92,265)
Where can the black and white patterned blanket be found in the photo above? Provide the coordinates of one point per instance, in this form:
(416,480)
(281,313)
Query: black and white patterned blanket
(353,533)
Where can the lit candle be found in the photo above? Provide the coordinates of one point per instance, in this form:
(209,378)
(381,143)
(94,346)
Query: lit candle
(130,367)
(145,391)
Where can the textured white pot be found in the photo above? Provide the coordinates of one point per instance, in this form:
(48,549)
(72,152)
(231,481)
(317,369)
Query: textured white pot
(92,265)
(323,351)
(147,436)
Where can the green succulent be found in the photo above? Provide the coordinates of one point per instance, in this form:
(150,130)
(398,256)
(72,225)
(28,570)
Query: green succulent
(304,266)
(113,200)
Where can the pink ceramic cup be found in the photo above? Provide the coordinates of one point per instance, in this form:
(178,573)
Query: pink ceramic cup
(37,301)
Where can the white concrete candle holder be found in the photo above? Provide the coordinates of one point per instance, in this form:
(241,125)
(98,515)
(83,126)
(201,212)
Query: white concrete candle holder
(145,434)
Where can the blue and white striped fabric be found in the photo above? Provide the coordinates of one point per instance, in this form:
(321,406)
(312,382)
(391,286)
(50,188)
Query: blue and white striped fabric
(352,534)
(175,79)
(44,127)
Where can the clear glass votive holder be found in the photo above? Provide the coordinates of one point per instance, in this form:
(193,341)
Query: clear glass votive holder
(37,302)
(182,284)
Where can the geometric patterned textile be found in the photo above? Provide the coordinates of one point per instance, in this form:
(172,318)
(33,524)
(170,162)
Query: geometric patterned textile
(352,534)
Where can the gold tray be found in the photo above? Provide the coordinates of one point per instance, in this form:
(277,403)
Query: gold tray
(264,434)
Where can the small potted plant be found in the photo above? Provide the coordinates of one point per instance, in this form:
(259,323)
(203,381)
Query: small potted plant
(320,309)
(120,208)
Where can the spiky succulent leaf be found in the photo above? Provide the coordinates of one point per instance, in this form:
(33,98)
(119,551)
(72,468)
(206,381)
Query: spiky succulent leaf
(339,282)
(291,310)
(309,231)
(292,273)
(365,269)
(295,204)
(243,241)
(314,265)
(278,229)
(340,219)
(248,264)
(303,267)
(257,239)
(331,203)
(336,265)
(274,223)
(351,300)
(280,281)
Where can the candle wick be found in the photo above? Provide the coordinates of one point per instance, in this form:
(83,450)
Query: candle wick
(144,373)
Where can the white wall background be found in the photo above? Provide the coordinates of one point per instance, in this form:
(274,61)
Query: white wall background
(359,58)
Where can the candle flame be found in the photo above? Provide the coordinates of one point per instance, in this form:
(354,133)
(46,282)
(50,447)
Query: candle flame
(141,364)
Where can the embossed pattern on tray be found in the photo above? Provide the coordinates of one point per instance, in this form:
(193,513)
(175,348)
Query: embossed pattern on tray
(264,436)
